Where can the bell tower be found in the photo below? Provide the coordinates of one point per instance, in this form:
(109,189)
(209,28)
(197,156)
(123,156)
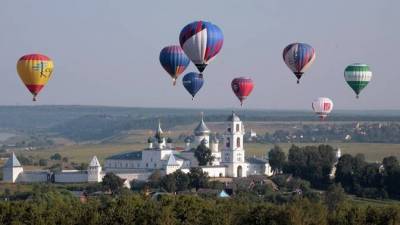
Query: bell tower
(233,154)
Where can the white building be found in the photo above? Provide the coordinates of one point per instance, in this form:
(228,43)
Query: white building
(13,172)
(229,159)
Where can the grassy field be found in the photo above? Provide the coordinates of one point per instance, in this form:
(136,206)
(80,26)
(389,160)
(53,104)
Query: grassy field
(83,153)
(372,151)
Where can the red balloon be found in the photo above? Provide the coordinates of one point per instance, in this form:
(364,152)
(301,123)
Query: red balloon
(242,87)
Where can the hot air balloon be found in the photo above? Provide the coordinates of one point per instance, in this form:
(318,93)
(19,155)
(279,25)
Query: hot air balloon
(242,87)
(193,82)
(358,76)
(322,106)
(35,70)
(201,41)
(174,61)
(298,57)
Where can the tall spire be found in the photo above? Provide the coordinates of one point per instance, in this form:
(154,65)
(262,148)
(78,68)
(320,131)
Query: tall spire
(159,132)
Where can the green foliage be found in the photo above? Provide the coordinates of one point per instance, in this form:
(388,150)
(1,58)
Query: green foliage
(203,155)
(26,161)
(56,156)
(155,179)
(179,181)
(198,179)
(367,179)
(48,205)
(168,183)
(277,159)
(112,182)
(312,163)
(334,196)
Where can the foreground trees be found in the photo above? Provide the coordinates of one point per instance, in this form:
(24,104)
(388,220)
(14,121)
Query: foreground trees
(369,179)
(312,163)
(53,207)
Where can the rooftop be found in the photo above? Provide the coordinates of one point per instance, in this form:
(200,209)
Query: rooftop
(127,156)
(94,162)
(254,160)
(233,118)
(172,161)
(201,128)
(12,162)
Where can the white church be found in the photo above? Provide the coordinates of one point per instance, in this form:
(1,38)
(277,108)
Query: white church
(229,159)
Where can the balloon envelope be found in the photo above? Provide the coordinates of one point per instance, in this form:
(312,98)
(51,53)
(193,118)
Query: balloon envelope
(201,41)
(242,87)
(357,76)
(174,61)
(322,106)
(298,57)
(35,71)
(193,82)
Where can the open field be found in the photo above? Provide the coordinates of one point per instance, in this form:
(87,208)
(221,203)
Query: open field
(372,151)
(83,153)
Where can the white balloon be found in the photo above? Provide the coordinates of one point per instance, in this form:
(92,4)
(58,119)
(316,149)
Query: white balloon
(322,106)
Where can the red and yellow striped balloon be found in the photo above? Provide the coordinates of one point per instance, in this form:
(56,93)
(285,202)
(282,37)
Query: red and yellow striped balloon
(35,71)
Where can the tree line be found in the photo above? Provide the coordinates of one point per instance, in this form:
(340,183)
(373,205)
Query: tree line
(316,165)
(49,206)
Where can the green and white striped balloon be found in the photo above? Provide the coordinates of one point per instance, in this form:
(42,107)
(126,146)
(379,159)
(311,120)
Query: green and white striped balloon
(358,76)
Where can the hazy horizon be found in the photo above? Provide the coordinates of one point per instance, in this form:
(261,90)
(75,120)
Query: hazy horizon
(106,54)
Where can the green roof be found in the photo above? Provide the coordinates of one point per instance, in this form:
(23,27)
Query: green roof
(127,156)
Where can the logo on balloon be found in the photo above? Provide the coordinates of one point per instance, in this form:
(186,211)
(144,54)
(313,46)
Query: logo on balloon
(43,68)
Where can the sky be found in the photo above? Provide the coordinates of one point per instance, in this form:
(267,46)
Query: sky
(106,52)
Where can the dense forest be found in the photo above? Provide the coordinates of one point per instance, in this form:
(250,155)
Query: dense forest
(47,206)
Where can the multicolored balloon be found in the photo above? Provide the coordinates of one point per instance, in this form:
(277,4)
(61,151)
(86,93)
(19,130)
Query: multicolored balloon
(201,41)
(35,71)
(242,87)
(322,106)
(193,82)
(174,61)
(298,57)
(358,76)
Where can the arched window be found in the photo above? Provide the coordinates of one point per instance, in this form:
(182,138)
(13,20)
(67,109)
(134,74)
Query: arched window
(238,142)
(228,142)
(237,127)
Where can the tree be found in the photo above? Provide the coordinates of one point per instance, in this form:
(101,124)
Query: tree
(198,178)
(390,164)
(312,163)
(334,196)
(277,159)
(155,179)
(203,154)
(42,162)
(168,183)
(112,182)
(56,156)
(182,180)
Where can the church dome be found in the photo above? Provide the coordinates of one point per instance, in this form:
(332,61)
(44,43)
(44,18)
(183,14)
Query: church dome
(201,129)
(233,118)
